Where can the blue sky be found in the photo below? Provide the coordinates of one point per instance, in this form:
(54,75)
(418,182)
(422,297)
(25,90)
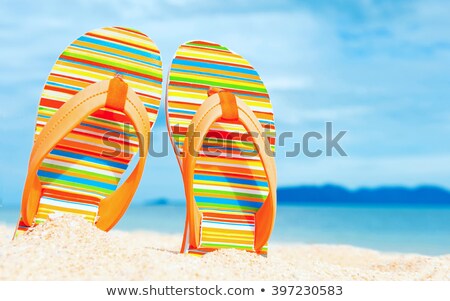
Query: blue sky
(378,69)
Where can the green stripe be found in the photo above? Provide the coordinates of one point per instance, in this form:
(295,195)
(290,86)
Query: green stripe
(48,110)
(205,182)
(143,70)
(77,185)
(228,142)
(219,245)
(226,206)
(82,172)
(94,45)
(124,126)
(178,138)
(207,46)
(217,83)
(230,193)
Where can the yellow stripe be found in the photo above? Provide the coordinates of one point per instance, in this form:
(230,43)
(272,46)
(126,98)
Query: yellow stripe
(201,55)
(65,189)
(74,172)
(194,78)
(242,163)
(221,72)
(93,74)
(129,37)
(126,54)
(187,89)
(45,208)
(256,188)
(85,163)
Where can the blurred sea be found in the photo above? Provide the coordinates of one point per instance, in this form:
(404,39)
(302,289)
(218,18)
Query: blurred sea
(420,230)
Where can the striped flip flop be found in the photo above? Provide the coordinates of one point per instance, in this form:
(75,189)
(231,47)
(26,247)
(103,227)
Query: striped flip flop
(222,129)
(95,113)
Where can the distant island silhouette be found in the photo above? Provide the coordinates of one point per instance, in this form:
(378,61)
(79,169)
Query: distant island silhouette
(385,195)
(338,195)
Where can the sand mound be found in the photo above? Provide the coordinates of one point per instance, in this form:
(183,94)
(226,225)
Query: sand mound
(69,248)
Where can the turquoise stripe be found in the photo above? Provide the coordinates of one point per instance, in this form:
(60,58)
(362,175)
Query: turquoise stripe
(116,55)
(99,41)
(180,111)
(217,75)
(209,65)
(72,202)
(57,176)
(64,86)
(206,222)
(87,158)
(112,69)
(148,105)
(223,179)
(231,202)
(109,130)
(222,149)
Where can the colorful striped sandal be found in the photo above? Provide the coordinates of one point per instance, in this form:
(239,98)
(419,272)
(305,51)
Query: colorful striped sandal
(95,113)
(222,129)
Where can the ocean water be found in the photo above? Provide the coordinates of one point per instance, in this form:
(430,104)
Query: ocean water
(407,230)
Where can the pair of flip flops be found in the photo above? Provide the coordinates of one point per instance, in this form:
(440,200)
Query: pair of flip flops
(96,112)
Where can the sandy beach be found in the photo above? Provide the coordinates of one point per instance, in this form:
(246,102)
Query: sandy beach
(69,248)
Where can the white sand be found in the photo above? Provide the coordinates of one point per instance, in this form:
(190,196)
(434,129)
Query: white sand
(69,248)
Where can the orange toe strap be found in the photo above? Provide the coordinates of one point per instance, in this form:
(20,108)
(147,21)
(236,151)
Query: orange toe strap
(221,104)
(112,93)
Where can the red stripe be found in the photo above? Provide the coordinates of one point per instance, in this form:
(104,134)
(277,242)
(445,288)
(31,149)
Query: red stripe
(151,110)
(115,68)
(147,95)
(203,43)
(177,130)
(212,151)
(69,196)
(111,116)
(131,30)
(215,62)
(73,78)
(119,41)
(98,131)
(124,142)
(92,154)
(205,87)
(182,116)
(59,89)
(234,175)
(247,217)
(56,104)
(103,114)
(211,49)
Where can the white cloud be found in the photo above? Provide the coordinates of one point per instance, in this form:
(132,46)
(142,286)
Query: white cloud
(288,83)
(293,112)
(386,83)
(355,172)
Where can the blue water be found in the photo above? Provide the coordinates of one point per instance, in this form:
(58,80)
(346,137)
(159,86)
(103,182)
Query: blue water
(416,230)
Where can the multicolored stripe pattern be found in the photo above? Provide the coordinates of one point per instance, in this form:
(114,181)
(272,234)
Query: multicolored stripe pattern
(229,183)
(87,165)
